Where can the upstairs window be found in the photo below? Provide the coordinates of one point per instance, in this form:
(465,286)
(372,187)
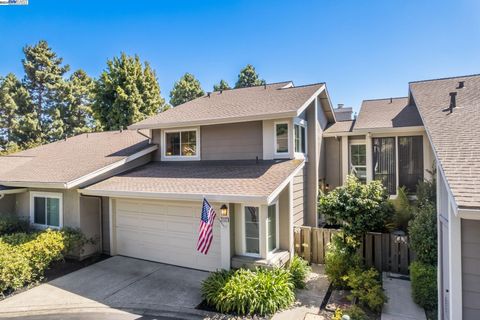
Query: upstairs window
(182,143)
(281,138)
(300,138)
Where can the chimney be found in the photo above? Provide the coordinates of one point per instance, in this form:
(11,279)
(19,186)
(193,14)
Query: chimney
(342,113)
(453,101)
(461,84)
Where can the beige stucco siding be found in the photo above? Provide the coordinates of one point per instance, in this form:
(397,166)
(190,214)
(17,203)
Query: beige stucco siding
(90,223)
(471,269)
(235,141)
(299,198)
(7,204)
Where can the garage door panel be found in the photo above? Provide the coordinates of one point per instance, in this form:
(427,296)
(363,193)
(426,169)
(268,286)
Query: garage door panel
(164,232)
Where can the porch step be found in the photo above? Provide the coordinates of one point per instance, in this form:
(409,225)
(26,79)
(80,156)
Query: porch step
(277,259)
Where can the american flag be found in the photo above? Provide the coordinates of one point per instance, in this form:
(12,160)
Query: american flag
(206,227)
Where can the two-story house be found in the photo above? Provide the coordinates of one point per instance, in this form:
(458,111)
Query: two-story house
(256,154)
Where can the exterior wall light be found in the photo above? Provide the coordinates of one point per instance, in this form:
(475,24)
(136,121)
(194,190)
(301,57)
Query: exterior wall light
(224,211)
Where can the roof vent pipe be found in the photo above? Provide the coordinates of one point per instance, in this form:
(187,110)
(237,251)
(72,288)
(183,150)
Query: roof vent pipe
(453,101)
(461,84)
(208,94)
(265,86)
(391,100)
(340,105)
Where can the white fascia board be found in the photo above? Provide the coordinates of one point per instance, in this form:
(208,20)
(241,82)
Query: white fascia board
(357,132)
(13,191)
(471,214)
(270,116)
(307,103)
(285,182)
(176,196)
(78,181)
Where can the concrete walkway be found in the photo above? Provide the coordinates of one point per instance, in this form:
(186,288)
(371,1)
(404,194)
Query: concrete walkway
(309,299)
(400,305)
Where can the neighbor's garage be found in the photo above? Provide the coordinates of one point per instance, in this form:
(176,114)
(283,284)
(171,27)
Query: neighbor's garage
(162,231)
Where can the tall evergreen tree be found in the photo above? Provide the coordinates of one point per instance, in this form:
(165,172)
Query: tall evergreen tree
(126,92)
(248,77)
(44,72)
(185,89)
(223,85)
(76,113)
(13,97)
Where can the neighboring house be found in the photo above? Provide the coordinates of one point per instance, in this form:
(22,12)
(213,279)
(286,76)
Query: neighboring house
(256,150)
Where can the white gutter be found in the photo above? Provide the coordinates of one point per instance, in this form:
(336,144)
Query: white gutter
(12,191)
(82,179)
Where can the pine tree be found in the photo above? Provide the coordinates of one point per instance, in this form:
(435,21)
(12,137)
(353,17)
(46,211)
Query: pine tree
(44,82)
(248,77)
(223,85)
(20,127)
(78,96)
(126,92)
(185,89)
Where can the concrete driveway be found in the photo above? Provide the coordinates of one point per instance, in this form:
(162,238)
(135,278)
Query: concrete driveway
(116,288)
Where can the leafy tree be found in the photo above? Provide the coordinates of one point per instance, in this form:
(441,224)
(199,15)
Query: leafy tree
(126,92)
(185,89)
(44,72)
(248,77)
(77,114)
(358,207)
(223,85)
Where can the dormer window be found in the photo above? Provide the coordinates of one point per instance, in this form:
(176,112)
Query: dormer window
(181,144)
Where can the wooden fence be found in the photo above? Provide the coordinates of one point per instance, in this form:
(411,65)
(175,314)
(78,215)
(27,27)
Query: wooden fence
(384,251)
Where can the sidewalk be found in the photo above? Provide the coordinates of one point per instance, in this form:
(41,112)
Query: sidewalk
(400,305)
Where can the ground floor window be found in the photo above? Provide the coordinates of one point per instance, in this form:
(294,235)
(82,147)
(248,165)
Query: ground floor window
(410,162)
(272,231)
(46,209)
(358,161)
(384,163)
(252,230)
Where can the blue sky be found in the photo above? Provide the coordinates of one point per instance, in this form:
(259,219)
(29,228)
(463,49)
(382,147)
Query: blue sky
(362,49)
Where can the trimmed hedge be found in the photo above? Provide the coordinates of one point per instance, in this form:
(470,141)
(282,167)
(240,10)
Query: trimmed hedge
(24,257)
(247,292)
(12,224)
(424,284)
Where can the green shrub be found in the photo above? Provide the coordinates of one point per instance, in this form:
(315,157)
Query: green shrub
(261,291)
(355,313)
(367,288)
(357,207)
(299,270)
(24,257)
(424,284)
(403,211)
(427,189)
(75,240)
(423,234)
(341,256)
(12,224)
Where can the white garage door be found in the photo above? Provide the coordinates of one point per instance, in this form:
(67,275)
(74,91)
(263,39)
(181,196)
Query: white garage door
(164,232)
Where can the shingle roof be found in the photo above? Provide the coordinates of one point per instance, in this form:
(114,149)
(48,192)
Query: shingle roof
(218,178)
(340,126)
(455,136)
(232,105)
(67,160)
(387,113)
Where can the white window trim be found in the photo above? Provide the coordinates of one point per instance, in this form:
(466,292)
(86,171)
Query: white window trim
(282,155)
(277,226)
(244,235)
(356,143)
(302,123)
(53,195)
(164,157)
